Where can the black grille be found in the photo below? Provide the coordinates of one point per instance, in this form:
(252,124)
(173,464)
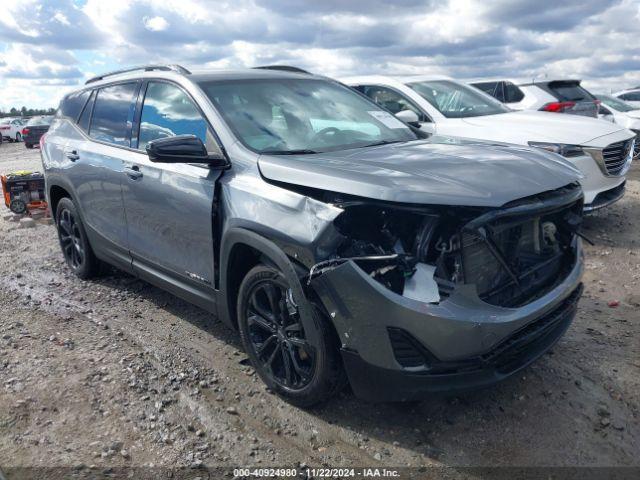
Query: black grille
(616,156)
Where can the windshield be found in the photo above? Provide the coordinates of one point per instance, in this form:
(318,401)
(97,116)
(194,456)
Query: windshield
(454,100)
(615,103)
(286,116)
(39,121)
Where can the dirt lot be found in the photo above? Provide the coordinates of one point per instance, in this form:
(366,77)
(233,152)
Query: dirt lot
(115,372)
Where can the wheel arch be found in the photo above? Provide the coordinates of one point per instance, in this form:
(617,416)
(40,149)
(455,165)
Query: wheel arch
(57,193)
(241,250)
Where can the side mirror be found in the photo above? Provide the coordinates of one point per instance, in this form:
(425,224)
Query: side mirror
(408,116)
(607,117)
(428,127)
(183,149)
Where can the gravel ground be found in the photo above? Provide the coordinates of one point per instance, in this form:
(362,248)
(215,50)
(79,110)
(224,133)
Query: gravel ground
(117,373)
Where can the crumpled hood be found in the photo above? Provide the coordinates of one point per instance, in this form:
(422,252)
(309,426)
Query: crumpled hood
(438,171)
(547,126)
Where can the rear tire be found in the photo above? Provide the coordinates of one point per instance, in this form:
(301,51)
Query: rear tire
(274,338)
(28,145)
(74,242)
(18,137)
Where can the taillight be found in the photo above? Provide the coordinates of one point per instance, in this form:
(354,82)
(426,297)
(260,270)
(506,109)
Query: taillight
(25,131)
(557,106)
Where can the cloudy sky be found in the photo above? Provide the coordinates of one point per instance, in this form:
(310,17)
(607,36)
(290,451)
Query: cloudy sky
(48,47)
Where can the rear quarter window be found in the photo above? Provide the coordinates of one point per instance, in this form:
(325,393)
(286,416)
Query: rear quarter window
(512,94)
(85,117)
(72,105)
(490,88)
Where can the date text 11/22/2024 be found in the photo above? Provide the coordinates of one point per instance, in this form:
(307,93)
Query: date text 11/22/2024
(316,472)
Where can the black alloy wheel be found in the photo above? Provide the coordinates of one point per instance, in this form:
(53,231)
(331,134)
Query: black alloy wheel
(73,240)
(295,357)
(276,335)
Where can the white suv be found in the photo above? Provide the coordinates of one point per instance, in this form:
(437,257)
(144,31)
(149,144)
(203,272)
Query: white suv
(631,96)
(612,109)
(558,96)
(601,150)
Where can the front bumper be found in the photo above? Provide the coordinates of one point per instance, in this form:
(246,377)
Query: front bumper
(466,342)
(606,198)
(594,182)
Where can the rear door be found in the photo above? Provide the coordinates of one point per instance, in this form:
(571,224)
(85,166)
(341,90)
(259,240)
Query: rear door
(169,206)
(96,168)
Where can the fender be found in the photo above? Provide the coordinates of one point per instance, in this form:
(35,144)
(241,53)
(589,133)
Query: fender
(234,236)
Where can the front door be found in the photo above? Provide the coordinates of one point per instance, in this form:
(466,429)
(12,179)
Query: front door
(169,207)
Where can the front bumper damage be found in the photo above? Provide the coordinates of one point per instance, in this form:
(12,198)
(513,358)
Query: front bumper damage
(399,347)
(464,342)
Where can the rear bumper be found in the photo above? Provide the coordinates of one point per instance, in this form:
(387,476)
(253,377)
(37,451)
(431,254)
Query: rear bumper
(33,139)
(459,344)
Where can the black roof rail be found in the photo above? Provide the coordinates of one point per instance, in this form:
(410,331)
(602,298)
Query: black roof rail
(283,68)
(145,68)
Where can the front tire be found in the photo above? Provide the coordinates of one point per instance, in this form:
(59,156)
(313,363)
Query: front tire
(274,337)
(18,137)
(74,242)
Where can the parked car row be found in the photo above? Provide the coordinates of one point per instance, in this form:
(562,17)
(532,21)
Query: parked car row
(558,96)
(600,150)
(34,129)
(343,242)
(28,130)
(11,129)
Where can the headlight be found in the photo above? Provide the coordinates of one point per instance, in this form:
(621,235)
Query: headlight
(560,148)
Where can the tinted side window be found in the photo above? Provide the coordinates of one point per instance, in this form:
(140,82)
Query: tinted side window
(72,104)
(168,111)
(390,99)
(512,93)
(632,96)
(491,88)
(113,114)
(85,117)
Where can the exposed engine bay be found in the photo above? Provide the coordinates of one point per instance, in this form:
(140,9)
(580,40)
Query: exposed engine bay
(512,254)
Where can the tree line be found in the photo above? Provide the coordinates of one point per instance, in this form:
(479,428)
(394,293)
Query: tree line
(27,112)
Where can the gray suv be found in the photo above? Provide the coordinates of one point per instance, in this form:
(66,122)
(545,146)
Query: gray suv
(344,245)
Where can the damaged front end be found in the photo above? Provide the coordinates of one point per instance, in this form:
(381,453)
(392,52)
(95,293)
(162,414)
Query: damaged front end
(454,297)
(511,255)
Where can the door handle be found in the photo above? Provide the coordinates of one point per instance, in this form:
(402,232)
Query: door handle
(133,173)
(72,155)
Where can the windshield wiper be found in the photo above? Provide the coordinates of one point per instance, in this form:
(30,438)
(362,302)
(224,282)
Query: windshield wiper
(382,142)
(300,151)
